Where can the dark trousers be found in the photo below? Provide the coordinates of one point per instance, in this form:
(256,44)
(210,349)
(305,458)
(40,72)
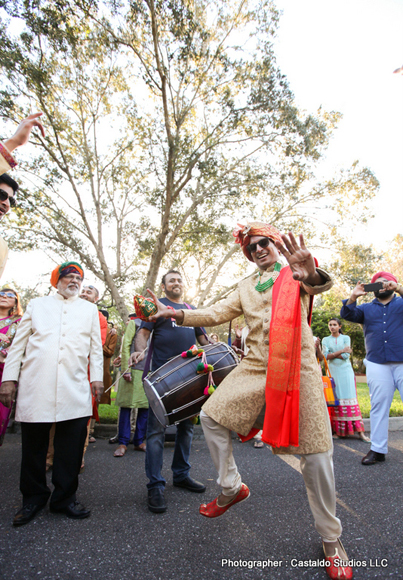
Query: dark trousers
(124,426)
(69,444)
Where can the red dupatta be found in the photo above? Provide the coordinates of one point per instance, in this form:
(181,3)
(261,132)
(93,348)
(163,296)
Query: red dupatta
(281,422)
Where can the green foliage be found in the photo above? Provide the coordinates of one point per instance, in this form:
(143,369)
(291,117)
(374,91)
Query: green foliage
(354,263)
(166,121)
(396,409)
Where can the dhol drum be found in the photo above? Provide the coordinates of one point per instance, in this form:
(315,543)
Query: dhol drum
(176,392)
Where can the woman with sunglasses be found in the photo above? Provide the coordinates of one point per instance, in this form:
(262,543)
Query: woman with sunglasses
(10,316)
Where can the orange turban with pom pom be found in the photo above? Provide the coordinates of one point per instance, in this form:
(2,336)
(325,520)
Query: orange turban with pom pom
(64,269)
(243,234)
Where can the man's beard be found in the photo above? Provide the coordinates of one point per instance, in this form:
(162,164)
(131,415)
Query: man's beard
(173,295)
(385,294)
(69,292)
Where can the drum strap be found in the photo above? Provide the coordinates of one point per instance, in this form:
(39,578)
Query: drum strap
(148,359)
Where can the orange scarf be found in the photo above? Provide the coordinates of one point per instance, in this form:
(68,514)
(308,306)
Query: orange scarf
(281,422)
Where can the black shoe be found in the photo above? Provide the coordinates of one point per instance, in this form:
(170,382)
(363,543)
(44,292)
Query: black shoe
(156,500)
(27,513)
(74,510)
(372,457)
(191,485)
(114,439)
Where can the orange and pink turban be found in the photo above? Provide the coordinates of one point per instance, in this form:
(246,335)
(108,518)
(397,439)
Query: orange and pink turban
(243,234)
(64,269)
(386,275)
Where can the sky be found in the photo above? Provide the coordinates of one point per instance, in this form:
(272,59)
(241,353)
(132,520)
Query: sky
(341,56)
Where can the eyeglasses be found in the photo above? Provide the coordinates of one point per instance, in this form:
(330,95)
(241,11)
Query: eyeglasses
(4,196)
(8,294)
(263,243)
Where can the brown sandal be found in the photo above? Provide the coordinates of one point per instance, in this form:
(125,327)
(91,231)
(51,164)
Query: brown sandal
(141,447)
(120,451)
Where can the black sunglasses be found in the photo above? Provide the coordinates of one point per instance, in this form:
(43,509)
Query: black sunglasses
(4,196)
(263,243)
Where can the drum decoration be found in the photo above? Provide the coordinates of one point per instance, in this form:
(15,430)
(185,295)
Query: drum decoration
(193,351)
(144,307)
(204,368)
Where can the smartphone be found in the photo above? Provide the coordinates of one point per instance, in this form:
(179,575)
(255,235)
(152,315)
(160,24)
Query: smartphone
(373,287)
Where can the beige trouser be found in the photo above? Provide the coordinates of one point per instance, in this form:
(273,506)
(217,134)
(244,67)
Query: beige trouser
(316,468)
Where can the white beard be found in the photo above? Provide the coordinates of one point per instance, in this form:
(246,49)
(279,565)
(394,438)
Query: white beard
(69,292)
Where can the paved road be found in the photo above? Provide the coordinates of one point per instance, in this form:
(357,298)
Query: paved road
(122,540)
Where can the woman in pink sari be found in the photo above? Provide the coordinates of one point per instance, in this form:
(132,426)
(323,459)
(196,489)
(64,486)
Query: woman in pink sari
(10,316)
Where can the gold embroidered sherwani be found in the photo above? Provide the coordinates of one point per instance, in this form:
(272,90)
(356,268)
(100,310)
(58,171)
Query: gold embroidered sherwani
(239,399)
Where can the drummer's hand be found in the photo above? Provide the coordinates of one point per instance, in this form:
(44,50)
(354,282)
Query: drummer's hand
(117,361)
(127,377)
(7,393)
(163,311)
(97,389)
(135,358)
(237,350)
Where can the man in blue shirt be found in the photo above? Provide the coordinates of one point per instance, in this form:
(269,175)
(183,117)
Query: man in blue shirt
(382,320)
(169,340)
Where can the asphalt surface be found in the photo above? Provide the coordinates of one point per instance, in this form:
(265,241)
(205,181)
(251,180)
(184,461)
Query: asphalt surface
(274,528)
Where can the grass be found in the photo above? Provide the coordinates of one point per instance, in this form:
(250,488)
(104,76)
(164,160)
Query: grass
(396,409)
(109,413)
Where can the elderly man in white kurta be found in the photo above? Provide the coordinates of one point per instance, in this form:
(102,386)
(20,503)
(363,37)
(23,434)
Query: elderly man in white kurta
(49,360)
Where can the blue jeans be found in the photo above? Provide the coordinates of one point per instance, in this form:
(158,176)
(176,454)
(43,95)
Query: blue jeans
(155,449)
(125,427)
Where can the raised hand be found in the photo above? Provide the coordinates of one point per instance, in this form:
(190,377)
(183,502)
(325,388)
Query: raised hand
(389,285)
(357,292)
(164,311)
(299,258)
(23,131)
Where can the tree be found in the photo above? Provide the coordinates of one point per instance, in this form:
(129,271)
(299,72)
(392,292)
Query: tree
(166,121)
(392,259)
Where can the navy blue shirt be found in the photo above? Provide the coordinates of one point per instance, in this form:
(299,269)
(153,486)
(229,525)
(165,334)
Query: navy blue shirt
(383,328)
(169,338)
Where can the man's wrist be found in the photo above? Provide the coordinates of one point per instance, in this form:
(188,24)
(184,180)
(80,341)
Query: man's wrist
(179,316)
(5,151)
(11,144)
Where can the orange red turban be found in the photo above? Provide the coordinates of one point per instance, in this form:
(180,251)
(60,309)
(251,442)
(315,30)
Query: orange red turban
(386,275)
(64,269)
(243,234)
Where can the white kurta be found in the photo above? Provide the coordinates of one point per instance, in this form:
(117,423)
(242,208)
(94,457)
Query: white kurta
(3,255)
(49,359)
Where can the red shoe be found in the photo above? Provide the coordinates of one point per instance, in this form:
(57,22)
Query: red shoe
(338,572)
(212,510)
